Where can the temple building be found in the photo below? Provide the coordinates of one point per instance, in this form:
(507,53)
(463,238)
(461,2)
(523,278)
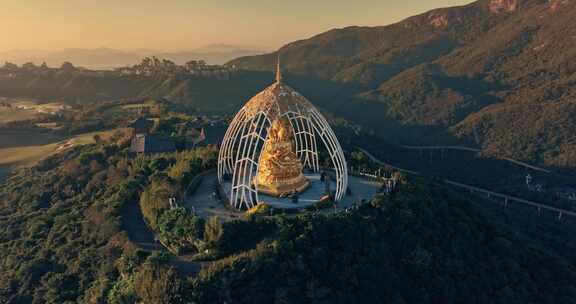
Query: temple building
(271,141)
(141,126)
(151,143)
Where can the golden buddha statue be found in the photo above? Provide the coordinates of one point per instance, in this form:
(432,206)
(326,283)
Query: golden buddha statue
(280,170)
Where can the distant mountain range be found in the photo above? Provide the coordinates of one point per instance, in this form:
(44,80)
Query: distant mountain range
(105,58)
(499,74)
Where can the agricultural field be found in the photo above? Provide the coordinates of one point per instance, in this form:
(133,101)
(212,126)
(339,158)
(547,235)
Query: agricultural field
(11,114)
(19,155)
(14,137)
(50,125)
(17,110)
(147,106)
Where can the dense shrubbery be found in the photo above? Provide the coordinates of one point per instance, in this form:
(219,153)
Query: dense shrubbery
(146,279)
(174,175)
(154,201)
(61,227)
(259,209)
(181,230)
(229,237)
(60,232)
(423,245)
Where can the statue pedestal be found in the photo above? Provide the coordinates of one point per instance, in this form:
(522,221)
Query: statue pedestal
(284,188)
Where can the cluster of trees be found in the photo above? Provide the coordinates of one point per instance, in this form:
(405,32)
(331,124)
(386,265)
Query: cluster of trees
(181,230)
(171,177)
(61,227)
(146,277)
(422,245)
(155,200)
(31,67)
(60,232)
(153,66)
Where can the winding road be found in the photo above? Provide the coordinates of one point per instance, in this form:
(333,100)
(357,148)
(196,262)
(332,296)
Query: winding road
(139,234)
(462,148)
(507,198)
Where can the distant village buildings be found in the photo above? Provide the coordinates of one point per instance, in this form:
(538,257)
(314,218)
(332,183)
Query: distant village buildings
(150,143)
(150,66)
(11,70)
(199,68)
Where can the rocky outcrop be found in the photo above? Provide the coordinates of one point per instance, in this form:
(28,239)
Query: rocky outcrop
(556,4)
(439,21)
(503,6)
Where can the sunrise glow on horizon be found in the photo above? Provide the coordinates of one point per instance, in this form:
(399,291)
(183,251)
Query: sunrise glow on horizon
(180,24)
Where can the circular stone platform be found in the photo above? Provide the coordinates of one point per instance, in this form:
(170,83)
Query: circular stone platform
(361,189)
(204,203)
(307,198)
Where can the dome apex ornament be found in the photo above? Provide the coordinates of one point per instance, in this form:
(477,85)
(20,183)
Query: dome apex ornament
(278,70)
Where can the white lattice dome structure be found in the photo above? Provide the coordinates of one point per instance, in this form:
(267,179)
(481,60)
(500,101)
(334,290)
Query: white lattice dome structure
(241,148)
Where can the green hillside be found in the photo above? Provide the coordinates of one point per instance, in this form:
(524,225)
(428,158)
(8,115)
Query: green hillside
(65,237)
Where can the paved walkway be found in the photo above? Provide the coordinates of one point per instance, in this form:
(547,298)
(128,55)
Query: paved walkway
(204,203)
(139,234)
(360,189)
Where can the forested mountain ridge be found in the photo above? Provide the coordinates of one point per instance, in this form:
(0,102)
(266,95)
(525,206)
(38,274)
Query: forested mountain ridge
(79,86)
(216,92)
(494,73)
(106,58)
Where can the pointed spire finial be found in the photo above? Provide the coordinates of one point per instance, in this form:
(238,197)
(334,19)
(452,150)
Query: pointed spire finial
(278,71)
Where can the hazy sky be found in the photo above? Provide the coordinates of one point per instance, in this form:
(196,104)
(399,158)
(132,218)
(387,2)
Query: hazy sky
(186,24)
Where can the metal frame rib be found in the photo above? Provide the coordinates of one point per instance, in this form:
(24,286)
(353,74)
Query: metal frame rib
(331,143)
(242,146)
(226,154)
(244,193)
